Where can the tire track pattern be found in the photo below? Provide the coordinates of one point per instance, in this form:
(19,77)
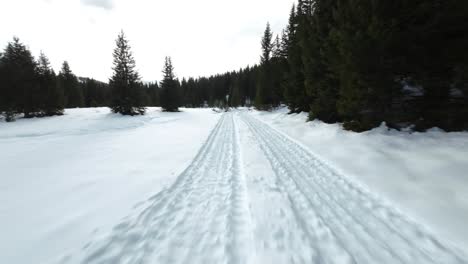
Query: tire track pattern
(202,218)
(349,224)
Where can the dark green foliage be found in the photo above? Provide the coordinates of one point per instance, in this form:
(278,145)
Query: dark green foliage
(294,89)
(437,57)
(152,94)
(237,88)
(28,86)
(321,83)
(349,60)
(127,91)
(234,94)
(269,90)
(363,37)
(19,88)
(278,67)
(68,82)
(95,93)
(192,94)
(170,89)
(51,97)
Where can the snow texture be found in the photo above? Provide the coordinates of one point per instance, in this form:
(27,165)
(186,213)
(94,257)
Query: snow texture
(425,174)
(206,187)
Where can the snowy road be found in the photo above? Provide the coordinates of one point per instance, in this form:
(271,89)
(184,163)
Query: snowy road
(284,207)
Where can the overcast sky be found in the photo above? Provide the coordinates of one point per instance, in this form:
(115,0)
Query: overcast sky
(203,37)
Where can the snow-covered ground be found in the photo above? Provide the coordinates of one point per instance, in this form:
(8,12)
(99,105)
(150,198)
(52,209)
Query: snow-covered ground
(65,179)
(425,174)
(238,187)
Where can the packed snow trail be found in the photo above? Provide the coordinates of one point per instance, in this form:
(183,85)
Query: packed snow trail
(299,211)
(342,218)
(202,218)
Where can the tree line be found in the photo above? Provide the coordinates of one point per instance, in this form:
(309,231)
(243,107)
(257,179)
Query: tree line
(31,88)
(357,62)
(363,62)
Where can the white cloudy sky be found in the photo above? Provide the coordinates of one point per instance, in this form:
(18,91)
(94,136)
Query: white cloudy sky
(202,36)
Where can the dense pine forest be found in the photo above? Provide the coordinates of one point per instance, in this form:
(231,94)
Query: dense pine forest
(357,62)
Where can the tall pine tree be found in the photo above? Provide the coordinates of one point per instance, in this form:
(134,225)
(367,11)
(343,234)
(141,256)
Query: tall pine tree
(263,98)
(52,98)
(170,97)
(19,89)
(294,90)
(321,81)
(127,98)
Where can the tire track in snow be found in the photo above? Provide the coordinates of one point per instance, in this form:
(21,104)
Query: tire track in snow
(349,222)
(202,218)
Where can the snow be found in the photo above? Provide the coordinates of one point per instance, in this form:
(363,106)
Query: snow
(235,187)
(65,179)
(425,174)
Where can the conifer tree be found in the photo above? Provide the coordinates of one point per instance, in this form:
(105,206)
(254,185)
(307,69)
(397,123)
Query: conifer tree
(52,98)
(153,94)
(170,97)
(321,80)
(19,87)
(69,84)
(441,30)
(263,98)
(276,48)
(278,68)
(127,98)
(294,90)
(2,86)
(234,95)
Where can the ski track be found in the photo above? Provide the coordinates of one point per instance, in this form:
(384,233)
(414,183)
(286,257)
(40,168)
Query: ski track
(202,218)
(320,216)
(349,222)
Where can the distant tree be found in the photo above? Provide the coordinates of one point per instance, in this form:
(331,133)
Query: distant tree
(278,68)
(234,96)
(127,97)
(69,84)
(51,100)
(152,94)
(170,97)
(96,93)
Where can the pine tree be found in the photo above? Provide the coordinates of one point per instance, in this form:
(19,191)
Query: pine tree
(278,68)
(170,98)
(263,98)
(69,84)
(124,83)
(19,86)
(153,94)
(234,94)
(363,35)
(277,49)
(294,90)
(3,88)
(52,98)
(45,79)
(321,80)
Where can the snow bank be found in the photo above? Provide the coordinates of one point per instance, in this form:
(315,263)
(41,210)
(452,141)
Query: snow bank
(64,179)
(423,174)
